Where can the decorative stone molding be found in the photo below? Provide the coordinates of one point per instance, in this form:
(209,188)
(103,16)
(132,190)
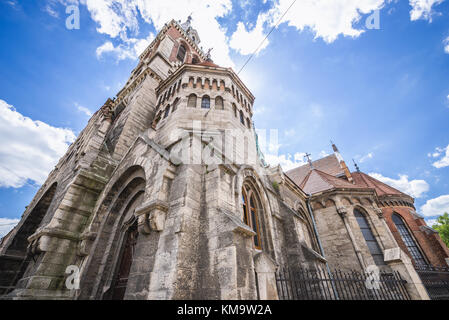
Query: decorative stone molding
(427,229)
(393,255)
(342,211)
(415,215)
(151,216)
(239,226)
(379,212)
(85,244)
(107,109)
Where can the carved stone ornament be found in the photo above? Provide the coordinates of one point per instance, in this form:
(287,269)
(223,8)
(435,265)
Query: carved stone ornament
(379,213)
(342,211)
(151,216)
(106,109)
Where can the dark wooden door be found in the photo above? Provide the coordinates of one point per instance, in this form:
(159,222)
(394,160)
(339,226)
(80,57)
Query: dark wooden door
(126,259)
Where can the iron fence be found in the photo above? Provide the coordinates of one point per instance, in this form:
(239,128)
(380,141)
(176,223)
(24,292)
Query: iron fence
(435,280)
(302,284)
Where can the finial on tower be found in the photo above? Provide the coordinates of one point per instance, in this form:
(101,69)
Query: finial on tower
(356,165)
(208,55)
(334,147)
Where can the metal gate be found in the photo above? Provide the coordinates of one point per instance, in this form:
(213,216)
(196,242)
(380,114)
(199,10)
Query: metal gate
(302,284)
(435,280)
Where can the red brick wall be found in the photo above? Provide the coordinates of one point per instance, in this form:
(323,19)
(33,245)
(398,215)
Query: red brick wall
(431,244)
(178,38)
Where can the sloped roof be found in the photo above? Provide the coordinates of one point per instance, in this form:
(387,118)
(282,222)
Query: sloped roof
(381,188)
(318,181)
(325,176)
(329,165)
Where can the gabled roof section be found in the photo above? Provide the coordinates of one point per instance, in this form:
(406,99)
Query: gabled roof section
(319,181)
(381,188)
(329,165)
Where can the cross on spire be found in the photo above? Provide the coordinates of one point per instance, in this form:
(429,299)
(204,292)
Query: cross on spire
(309,160)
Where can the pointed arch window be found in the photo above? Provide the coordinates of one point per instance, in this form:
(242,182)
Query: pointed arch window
(409,241)
(234,108)
(242,118)
(251,214)
(181,53)
(370,239)
(205,102)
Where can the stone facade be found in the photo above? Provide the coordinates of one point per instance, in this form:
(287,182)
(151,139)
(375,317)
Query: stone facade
(164,196)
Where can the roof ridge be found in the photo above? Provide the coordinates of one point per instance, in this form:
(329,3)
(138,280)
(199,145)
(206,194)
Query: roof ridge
(306,178)
(381,185)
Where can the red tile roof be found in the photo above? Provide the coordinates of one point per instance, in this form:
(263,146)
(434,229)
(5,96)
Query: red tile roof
(329,165)
(381,188)
(327,174)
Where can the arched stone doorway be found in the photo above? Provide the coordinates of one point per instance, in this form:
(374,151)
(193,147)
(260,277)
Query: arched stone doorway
(108,265)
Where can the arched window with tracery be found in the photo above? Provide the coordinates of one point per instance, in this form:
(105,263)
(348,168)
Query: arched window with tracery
(205,102)
(370,239)
(251,213)
(409,241)
(181,53)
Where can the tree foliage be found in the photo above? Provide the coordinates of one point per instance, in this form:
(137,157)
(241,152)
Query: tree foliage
(442,227)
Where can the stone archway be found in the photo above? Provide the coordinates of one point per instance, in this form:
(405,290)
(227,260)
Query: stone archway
(16,258)
(111,227)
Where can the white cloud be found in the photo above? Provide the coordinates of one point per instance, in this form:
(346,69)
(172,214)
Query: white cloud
(6,225)
(29,149)
(51,11)
(431,222)
(366,157)
(128,49)
(290,132)
(323,154)
(84,110)
(436,207)
(444,161)
(422,9)
(414,188)
(287,162)
(326,19)
(120,18)
(246,42)
(446,49)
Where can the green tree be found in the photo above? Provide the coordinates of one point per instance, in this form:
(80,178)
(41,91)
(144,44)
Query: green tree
(442,227)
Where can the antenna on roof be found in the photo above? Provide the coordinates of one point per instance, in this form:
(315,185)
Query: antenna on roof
(356,165)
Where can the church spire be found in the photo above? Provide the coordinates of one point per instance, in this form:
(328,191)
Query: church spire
(342,162)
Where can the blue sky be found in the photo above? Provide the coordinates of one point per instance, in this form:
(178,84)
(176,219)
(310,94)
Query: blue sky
(382,95)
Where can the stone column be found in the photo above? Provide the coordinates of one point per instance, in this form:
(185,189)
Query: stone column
(343,212)
(265,269)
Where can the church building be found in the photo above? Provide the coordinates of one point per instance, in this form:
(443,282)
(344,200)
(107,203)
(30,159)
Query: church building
(166,195)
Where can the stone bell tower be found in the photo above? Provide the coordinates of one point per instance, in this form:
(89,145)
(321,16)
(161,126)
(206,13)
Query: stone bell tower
(163,195)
